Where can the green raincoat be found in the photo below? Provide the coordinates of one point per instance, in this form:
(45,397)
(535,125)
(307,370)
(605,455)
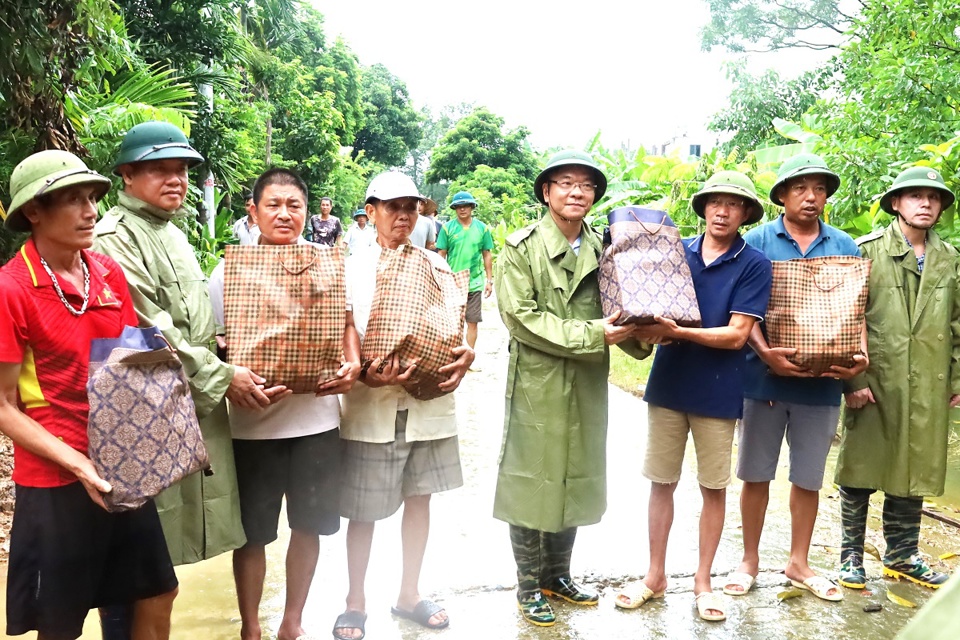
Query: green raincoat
(553,459)
(899,444)
(201,514)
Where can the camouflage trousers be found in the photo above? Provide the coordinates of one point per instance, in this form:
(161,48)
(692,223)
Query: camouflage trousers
(542,557)
(901,525)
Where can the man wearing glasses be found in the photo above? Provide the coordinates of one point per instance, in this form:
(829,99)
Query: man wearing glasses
(552,475)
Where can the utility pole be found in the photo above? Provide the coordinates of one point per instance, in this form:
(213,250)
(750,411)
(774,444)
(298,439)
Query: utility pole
(206,90)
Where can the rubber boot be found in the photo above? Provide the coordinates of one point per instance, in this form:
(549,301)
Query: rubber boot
(530,600)
(116,621)
(555,579)
(901,531)
(854,504)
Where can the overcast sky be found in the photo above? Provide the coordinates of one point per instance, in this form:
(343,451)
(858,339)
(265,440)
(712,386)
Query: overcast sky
(565,70)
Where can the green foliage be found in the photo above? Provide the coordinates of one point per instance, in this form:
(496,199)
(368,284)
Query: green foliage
(391,127)
(758,25)
(433,127)
(756,100)
(481,139)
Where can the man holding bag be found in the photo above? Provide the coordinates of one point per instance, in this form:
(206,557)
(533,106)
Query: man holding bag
(732,282)
(896,426)
(783,398)
(289,451)
(67,553)
(398,450)
(552,475)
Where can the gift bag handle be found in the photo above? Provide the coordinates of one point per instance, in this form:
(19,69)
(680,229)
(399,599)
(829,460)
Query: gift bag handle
(653,233)
(293,271)
(816,283)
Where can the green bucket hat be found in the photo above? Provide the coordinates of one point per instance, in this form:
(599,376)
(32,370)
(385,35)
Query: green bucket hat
(45,172)
(804,164)
(918,177)
(462,197)
(733,183)
(155,140)
(570,157)
(358,213)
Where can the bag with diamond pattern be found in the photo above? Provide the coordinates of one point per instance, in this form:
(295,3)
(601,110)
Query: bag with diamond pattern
(143,429)
(644,271)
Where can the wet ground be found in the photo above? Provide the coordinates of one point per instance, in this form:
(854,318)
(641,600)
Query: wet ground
(469,567)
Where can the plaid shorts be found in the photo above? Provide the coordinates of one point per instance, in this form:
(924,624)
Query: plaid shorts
(378,476)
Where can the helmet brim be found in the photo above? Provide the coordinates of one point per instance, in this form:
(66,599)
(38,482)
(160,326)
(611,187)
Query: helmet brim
(946,196)
(159,152)
(545,174)
(833,181)
(16,221)
(699,201)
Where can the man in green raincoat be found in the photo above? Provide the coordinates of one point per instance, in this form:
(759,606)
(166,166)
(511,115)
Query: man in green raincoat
(201,514)
(896,425)
(552,475)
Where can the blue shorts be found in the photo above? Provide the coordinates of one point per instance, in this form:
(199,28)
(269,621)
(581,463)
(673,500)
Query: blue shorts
(809,429)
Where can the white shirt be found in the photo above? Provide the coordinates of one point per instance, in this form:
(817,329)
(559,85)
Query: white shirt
(424,232)
(357,238)
(369,415)
(245,232)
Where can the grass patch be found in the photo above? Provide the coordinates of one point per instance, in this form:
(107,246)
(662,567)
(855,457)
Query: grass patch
(627,372)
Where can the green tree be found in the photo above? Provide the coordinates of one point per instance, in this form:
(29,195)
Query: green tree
(756,100)
(482,139)
(391,126)
(760,25)
(433,127)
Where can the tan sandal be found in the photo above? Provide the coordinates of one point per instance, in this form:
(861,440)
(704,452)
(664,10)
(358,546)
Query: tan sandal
(710,601)
(637,595)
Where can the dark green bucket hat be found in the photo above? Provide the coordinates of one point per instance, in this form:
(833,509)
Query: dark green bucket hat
(804,164)
(570,157)
(733,183)
(155,140)
(918,177)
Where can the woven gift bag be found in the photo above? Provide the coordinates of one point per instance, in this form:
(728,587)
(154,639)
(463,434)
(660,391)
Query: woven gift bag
(417,315)
(644,271)
(284,310)
(143,429)
(817,307)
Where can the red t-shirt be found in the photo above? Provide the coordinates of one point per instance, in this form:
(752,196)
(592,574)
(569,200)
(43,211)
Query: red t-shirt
(52,347)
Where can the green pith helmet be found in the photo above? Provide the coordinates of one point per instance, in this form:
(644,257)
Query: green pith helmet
(570,157)
(462,197)
(155,140)
(46,172)
(733,183)
(918,177)
(804,164)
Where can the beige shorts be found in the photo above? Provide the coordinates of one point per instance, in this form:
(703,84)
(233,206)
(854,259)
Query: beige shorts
(667,439)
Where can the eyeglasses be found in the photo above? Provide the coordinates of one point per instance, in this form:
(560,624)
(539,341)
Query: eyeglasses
(568,185)
(396,206)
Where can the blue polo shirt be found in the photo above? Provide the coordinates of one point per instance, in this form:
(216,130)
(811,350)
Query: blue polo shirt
(703,380)
(776,243)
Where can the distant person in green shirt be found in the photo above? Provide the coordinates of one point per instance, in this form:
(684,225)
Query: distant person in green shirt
(466,244)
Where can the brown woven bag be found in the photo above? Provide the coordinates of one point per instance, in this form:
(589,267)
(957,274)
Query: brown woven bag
(817,307)
(417,314)
(284,309)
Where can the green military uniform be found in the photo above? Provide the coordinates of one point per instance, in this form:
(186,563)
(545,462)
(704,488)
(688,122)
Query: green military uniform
(553,459)
(201,514)
(899,444)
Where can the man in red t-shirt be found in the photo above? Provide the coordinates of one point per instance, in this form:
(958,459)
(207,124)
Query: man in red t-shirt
(55,297)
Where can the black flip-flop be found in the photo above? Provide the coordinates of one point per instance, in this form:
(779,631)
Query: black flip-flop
(350,620)
(422,613)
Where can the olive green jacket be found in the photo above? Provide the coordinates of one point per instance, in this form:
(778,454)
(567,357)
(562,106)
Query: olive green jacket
(899,444)
(553,460)
(201,514)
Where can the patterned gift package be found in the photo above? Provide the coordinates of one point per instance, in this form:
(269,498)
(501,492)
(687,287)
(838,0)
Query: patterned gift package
(817,307)
(284,310)
(417,315)
(143,429)
(644,271)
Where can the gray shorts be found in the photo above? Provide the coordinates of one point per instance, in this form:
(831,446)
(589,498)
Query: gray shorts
(474,300)
(378,476)
(809,429)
